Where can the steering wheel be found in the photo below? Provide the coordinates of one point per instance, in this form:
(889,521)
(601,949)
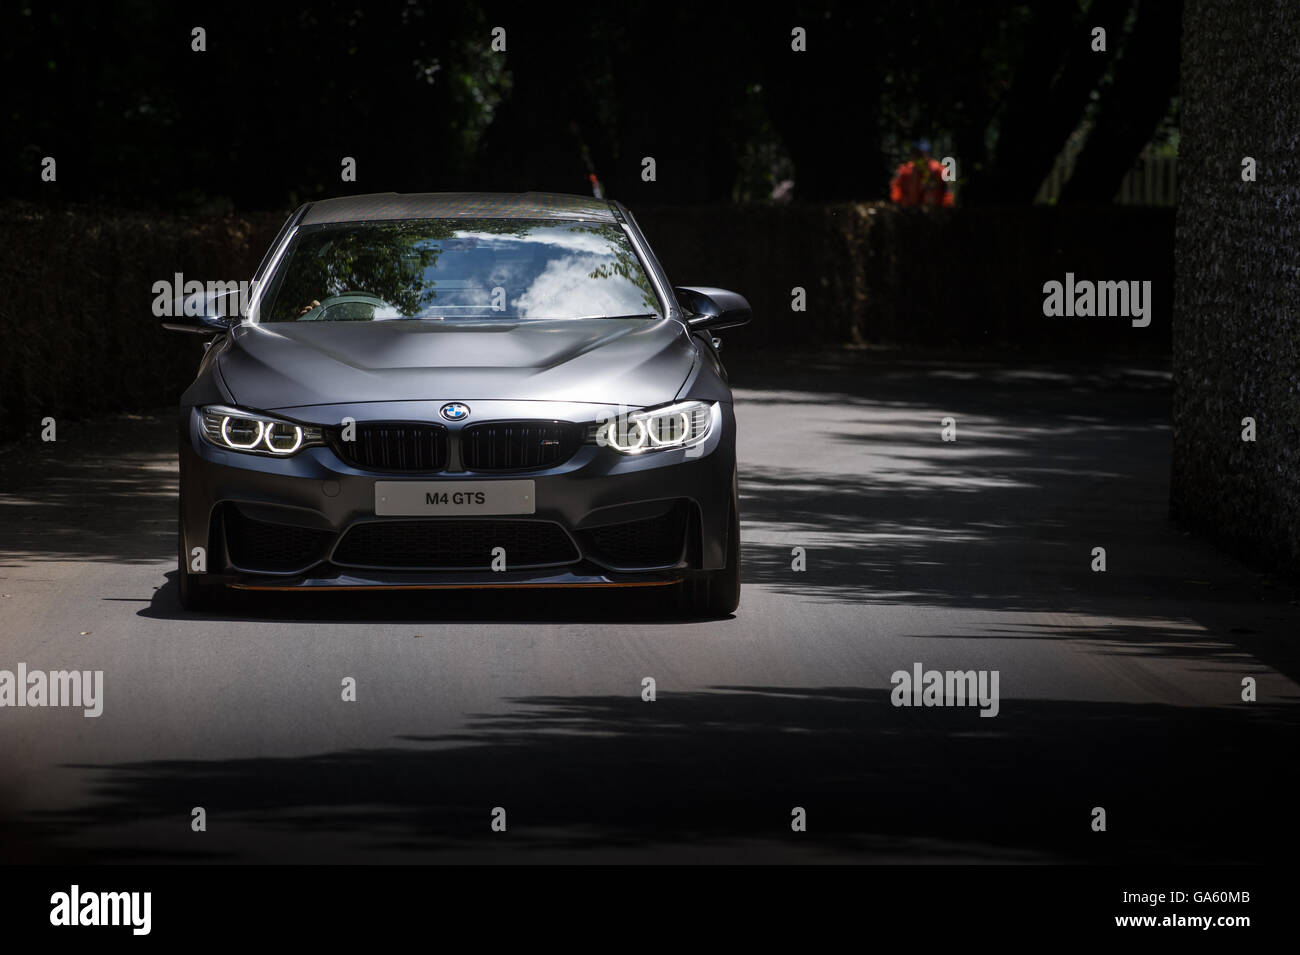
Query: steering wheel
(351,305)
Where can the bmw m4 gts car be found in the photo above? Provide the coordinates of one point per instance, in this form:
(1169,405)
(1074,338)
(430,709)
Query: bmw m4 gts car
(457,391)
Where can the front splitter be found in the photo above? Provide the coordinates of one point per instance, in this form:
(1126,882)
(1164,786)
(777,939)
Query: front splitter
(352,581)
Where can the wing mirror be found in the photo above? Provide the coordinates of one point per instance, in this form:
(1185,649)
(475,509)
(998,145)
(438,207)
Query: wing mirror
(204,313)
(711,309)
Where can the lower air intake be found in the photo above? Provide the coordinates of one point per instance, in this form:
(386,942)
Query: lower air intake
(453,545)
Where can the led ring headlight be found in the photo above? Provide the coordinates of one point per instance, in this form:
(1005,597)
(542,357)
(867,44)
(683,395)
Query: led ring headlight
(295,436)
(632,439)
(661,421)
(225,434)
(679,425)
(236,430)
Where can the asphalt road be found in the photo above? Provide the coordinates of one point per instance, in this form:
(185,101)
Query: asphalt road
(1119,690)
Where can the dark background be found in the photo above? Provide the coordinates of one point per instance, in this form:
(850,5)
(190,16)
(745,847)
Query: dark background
(171,160)
(415,93)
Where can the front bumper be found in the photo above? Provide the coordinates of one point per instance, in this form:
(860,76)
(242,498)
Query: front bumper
(317,496)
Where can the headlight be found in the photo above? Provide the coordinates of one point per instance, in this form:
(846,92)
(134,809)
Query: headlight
(237,430)
(659,429)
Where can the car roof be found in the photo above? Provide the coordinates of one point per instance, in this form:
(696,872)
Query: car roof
(454,205)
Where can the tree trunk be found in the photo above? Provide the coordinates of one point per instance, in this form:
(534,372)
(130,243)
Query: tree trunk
(1145,80)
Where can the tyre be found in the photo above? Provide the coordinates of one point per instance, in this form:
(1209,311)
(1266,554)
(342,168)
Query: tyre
(197,592)
(716,593)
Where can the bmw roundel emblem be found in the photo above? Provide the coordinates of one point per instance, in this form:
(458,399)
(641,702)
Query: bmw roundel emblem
(454,411)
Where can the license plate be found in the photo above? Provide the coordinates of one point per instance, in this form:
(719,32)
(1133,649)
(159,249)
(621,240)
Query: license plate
(453,498)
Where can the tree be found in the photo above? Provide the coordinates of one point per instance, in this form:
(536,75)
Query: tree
(1146,78)
(1055,73)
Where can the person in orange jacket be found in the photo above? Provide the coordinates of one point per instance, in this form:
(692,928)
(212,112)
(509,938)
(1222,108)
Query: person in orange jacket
(919,181)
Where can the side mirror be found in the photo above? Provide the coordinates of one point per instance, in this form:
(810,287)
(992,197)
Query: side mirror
(712,308)
(211,313)
(202,325)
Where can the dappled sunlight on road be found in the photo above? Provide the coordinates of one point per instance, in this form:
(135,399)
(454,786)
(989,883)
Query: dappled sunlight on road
(1120,688)
(104,491)
(1047,464)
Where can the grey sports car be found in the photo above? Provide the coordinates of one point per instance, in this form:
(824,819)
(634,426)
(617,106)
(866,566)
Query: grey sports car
(462,390)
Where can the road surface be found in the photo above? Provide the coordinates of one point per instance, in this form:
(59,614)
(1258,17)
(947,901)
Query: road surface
(1119,690)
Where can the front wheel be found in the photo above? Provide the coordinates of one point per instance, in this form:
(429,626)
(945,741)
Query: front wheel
(716,593)
(197,592)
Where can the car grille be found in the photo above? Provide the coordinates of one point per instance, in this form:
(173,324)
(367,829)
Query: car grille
(653,542)
(275,548)
(453,545)
(519,445)
(394,446)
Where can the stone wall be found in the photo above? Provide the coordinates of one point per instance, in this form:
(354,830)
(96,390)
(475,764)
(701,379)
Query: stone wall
(1236,342)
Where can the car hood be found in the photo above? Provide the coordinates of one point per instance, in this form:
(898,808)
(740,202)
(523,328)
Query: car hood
(283,365)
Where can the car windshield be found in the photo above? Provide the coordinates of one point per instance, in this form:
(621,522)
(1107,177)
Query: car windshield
(458,269)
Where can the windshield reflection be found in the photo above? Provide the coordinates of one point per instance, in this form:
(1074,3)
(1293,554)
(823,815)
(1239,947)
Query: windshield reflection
(456,269)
